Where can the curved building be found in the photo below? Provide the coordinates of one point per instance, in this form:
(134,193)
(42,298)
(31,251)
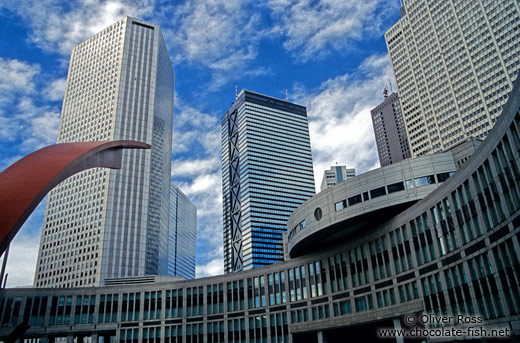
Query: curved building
(364,201)
(456,251)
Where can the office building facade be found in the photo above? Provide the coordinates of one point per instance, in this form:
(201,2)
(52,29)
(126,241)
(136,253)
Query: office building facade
(105,223)
(335,175)
(454,251)
(266,173)
(390,132)
(454,64)
(182,236)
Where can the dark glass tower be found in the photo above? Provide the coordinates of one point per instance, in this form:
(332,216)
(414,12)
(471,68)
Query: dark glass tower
(266,173)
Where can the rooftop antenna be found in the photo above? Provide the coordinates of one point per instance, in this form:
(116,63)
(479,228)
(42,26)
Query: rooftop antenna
(385,93)
(236,92)
(286,95)
(390,82)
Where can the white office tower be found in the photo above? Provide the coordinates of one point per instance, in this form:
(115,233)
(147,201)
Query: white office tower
(182,236)
(105,223)
(454,62)
(335,175)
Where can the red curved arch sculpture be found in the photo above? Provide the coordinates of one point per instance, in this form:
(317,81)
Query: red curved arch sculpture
(24,184)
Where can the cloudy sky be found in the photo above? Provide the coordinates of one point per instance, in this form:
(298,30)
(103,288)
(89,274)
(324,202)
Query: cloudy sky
(330,55)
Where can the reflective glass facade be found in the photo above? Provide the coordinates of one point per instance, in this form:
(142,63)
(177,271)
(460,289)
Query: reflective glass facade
(113,223)
(182,235)
(267,172)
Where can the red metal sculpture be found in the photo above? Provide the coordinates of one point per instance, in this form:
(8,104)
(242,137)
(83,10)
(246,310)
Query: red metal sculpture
(25,183)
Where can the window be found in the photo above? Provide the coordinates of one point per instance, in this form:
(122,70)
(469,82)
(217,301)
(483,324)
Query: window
(364,303)
(425,180)
(443,176)
(374,193)
(356,199)
(395,187)
(340,205)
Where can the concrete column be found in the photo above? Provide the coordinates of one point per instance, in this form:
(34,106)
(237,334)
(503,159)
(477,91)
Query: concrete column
(321,337)
(397,326)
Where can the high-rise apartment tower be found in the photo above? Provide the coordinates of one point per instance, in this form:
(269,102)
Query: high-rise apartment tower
(387,119)
(266,173)
(182,236)
(454,62)
(113,223)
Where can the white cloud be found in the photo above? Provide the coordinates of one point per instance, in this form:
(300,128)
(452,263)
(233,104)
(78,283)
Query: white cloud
(313,27)
(59,28)
(21,263)
(43,130)
(17,76)
(191,126)
(17,79)
(34,126)
(222,35)
(213,32)
(340,124)
(56,89)
(184,168)
(213,267)
(23,252)
(202,184)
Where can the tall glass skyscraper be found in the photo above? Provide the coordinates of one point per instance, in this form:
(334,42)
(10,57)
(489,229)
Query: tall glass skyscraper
(113,223)
(266,173)
(182,236)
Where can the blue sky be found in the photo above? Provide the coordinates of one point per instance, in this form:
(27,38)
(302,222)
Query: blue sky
(330,55)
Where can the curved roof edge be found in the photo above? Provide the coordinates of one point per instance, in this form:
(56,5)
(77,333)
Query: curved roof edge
(364,200)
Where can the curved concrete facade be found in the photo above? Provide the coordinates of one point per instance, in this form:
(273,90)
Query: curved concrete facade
(365,200)
(456,251)
(25,183)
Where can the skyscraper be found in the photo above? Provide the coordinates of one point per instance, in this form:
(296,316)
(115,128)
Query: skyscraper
(454,62)
(113,223)
(182,236)
(391,140)
(335,175)
(266,173)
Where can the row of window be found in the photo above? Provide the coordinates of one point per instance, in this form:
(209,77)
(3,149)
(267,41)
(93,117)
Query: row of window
(392,188)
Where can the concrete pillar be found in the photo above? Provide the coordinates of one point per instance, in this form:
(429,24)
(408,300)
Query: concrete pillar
(397,326)
(321,337)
